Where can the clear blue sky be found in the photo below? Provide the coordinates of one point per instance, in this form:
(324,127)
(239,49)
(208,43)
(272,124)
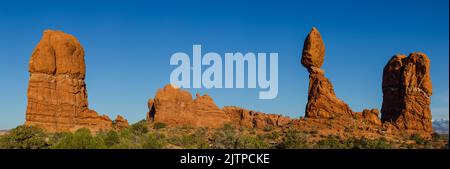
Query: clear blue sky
(128,45)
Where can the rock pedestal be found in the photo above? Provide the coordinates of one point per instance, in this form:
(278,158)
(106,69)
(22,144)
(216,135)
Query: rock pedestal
(322,101)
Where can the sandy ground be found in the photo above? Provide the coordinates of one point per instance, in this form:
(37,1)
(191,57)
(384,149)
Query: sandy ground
(3,132)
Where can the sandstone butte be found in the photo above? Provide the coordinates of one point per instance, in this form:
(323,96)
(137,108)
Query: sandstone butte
(57,95)
(175,107)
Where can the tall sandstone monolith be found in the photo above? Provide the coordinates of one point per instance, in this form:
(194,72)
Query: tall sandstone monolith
(407,90)
(57,95)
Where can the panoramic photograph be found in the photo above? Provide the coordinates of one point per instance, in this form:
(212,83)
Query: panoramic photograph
(224,75)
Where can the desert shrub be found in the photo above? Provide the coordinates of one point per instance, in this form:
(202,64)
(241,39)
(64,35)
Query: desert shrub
(110,138)
(126,133)
(201,138)
(139,128)
(225,137)
(160,125)
(330,142)
(24,137)
(268,128)
(228,127)
(273,135)
(183,127)
(294,140)
(198,139)
(154,141)
(55,138)
(127,139)
(228,137)
(251,142)
(363,143)
(134,142)
(418,139)
(242,129)
(81,139)
(436,137)
(333,142)
(126,144)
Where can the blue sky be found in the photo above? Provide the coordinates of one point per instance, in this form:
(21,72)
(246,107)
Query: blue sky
(128,45)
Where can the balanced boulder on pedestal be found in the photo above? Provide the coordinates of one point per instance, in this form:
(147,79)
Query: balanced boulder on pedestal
(322,101)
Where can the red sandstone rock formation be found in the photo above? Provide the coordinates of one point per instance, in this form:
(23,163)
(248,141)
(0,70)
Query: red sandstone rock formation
(322,101)
(120,122)
(371,116)
(313,50)
(252,119)
(406,92)
(57,96)
(176,107)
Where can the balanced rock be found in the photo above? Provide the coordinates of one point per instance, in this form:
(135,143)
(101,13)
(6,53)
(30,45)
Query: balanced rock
(313,50)
(57,96)
(407,90)
(322,101)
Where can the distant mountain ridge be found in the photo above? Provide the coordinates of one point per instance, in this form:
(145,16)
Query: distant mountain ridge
(441,126)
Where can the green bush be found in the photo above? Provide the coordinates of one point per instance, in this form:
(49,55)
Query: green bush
(273,135)
(363,143)
(140,128)
(418,139)
(333,142)
(154,141)
(198,140)
(81,139)
(251,142)
(268,128)
(128,140)
(24,137)
(55,138)
(294,140)
(160,125)
(436,137)
(225,137)
(110,138)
